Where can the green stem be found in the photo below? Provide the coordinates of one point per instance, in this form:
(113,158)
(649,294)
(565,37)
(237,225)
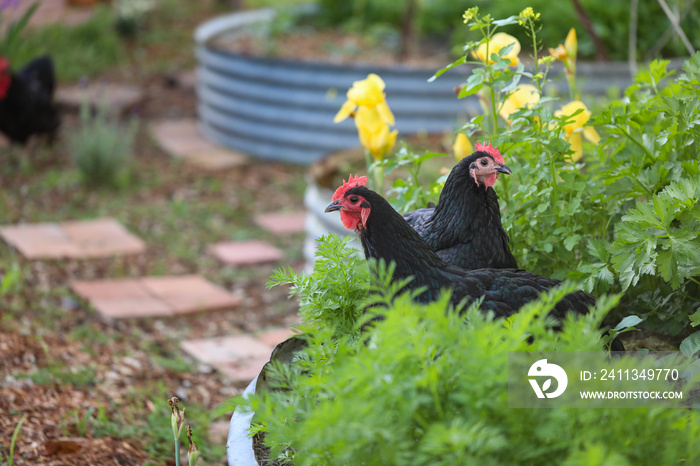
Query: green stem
(370,175)
(571,79)
(555,194)
(177,452)
(493,111)
(534,52)
(642,185)
(629,136)
(379,179)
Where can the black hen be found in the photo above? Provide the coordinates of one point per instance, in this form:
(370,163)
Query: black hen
(385,235)
(26,100)
(465,229)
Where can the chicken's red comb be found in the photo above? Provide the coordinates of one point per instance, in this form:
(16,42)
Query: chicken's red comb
(492,151)
(4,64)
(353,182)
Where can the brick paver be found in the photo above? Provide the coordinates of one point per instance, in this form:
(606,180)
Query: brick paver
(75,240)
(117,98)
(102,237)
(282,223)
(274,337)
(238,357)
(153,296)
(181,139)
(189,293)
(220,350)
(245,252)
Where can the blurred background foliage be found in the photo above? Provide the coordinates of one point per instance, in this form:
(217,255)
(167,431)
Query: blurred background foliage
(610,19)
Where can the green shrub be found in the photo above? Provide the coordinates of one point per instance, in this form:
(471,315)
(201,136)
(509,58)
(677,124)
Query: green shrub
(428,386)
(625,217)
(610,20)
(78,51)
(101,146)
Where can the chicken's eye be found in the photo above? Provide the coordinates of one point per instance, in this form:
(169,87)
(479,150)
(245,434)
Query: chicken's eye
(484,162)
(353,199)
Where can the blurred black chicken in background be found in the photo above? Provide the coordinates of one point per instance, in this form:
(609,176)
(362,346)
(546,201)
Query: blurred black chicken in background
(26,100)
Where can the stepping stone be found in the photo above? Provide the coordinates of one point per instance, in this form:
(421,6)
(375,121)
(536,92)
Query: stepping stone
(239,357)
(181,139)
(118,98)
(74,240)
(189,293)
(282,223)
(276,336)
(121,299)
(153,296)
(102,237)
(245,252)
(213,351)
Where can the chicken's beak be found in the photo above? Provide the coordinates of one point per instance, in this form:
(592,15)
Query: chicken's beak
(503,169)
(333,206)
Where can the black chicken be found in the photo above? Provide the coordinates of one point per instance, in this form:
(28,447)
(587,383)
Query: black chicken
(464,229)
(386,235)
(26,100)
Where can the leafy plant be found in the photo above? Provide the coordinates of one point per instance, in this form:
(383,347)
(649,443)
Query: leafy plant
(10,43)
(621,214)
(654,33)
(10,280)
(101,147)
(82,50)
(329,297)
(13,441)
(426,385)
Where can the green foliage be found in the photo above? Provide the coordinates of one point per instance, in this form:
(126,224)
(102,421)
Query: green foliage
(329,297)
(431,18)
(625,218)
(10,280)
(691,345)
(82,50)
(15,433)
(10,43)
(56,372)
(428,386)
(101,148)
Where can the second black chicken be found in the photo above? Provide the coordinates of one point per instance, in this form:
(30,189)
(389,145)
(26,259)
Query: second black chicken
(26,100)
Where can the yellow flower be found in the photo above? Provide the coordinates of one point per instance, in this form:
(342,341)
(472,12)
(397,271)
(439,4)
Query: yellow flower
(462,147)
(524,96)
(366,93)
(576,127)
(498,41)
(567,52)
(528,13)
(470,14)
(374,132)
(546,60)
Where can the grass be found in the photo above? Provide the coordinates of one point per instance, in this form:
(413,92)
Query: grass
(15,433)
(84,50)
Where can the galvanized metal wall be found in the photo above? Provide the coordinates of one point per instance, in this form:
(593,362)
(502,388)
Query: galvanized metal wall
(284,110)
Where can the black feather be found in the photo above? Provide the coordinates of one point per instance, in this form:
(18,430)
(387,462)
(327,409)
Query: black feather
(387,236)
(28,107)
(465,228)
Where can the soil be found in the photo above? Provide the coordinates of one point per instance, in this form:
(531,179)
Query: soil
(121,372)
(335,47)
